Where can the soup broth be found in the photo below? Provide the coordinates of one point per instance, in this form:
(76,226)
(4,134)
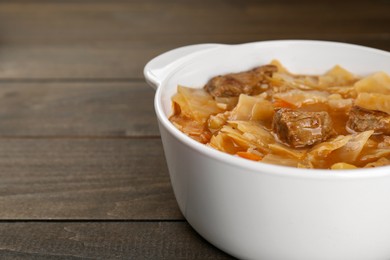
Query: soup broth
(332,121)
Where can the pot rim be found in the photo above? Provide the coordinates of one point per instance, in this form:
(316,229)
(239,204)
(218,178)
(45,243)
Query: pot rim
(259,167)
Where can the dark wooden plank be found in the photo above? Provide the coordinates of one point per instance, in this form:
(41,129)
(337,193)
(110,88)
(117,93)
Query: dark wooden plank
(81,39)
(105,240)
(104,21)
(84,179)
(77,109)
(124,240)
(126,59)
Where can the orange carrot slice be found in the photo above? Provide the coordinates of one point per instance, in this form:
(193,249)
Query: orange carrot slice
(283,104)
(250,156)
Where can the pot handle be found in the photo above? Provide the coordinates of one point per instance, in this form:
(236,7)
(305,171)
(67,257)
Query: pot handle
(160,67)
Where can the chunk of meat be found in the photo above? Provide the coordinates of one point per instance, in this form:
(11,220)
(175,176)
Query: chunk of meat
(250,82)
(300,128)
(361,119)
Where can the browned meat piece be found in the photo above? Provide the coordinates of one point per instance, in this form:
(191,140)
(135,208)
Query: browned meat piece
(361,120)
(233,84)
(301,129)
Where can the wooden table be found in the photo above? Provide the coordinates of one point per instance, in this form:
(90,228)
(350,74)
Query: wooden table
(82,171)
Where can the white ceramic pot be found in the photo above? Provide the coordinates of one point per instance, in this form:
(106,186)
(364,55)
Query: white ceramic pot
(253,210)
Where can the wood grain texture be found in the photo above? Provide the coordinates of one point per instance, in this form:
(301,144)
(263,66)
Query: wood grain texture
(85,179)
(123,240)
(82,39)
(77,109)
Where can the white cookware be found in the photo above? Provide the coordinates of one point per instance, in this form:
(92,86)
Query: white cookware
(253,210)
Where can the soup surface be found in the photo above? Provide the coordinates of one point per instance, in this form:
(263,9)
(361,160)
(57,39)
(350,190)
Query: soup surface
(332,121)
